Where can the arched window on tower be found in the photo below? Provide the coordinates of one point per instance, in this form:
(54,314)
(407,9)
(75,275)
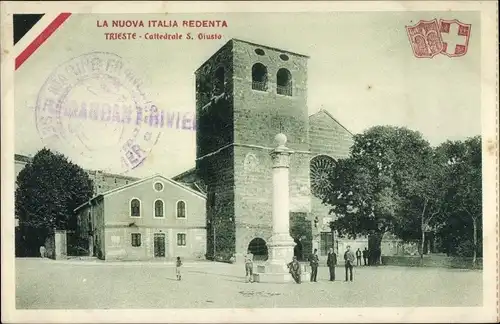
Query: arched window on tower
(284,82)
(259,77)
(218,83)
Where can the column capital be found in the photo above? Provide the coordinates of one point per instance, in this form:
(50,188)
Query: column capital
(281,157)
(281,154)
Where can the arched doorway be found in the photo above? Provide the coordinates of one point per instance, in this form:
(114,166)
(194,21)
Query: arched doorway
(258,248)
(298,250)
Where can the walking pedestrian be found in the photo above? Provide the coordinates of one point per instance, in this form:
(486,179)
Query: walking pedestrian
(314,263)
(331,262)
(249,266)
(178,265)
(358,257)
(365,256)
(349,261)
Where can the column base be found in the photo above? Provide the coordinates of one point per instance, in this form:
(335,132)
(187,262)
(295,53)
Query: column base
(274,272)
(272,277)
(280,254)
(281,247)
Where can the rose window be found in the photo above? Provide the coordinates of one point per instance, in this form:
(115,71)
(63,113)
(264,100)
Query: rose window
(322,168)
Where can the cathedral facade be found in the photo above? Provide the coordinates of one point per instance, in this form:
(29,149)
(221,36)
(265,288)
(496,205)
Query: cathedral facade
(247,93)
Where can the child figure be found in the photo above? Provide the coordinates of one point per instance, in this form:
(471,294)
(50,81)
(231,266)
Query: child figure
(178,265)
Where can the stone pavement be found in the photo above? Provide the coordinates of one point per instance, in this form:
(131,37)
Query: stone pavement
(73,284)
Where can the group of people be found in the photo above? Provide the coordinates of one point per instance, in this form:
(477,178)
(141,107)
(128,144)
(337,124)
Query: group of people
(331,262)
(365,254)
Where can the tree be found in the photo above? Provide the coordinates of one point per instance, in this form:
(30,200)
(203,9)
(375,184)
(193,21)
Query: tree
(423,194)
(49,189)
(463,221)
(367,195)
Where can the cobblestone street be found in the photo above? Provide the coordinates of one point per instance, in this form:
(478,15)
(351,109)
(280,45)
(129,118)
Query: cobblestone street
(76,284)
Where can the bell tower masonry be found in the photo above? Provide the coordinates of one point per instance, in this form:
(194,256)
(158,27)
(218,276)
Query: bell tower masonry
(247,93)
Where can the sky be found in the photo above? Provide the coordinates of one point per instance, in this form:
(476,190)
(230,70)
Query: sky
(361,69)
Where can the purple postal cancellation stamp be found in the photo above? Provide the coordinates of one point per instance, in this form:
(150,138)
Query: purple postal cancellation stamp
(95,106)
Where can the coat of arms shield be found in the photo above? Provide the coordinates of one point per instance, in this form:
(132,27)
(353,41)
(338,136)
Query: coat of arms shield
(455,36)
(425,38)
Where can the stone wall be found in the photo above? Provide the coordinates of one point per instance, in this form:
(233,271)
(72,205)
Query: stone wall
(235,134)
(218,173)
(214,103)
(328,136)
(431,261)
(261,114)
(104,181)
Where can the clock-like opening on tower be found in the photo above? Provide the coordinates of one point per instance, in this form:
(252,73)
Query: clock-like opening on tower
(259,51)
(284,57)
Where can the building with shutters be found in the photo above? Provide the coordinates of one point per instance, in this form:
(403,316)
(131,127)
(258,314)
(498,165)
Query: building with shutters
(152,218)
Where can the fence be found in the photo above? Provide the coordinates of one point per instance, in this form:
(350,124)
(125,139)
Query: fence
(259,85)
(284,90)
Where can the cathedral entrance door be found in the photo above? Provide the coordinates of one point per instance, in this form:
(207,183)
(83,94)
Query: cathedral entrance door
(159,245)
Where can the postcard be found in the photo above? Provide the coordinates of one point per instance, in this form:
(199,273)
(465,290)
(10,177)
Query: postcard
(249,162)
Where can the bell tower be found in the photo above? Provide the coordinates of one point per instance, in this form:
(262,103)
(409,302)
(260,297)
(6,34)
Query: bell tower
(247,93)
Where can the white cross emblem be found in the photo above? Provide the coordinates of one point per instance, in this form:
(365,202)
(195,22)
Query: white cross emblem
(455,44)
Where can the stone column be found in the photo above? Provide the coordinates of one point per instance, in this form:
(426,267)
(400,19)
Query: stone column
(280,244)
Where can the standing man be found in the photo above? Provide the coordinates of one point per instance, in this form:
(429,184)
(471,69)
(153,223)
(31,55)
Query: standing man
(365,256)
(358,257)
(43,252)
(331,262)
(249,266)
(377,257)
(314,263)
(349,261)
